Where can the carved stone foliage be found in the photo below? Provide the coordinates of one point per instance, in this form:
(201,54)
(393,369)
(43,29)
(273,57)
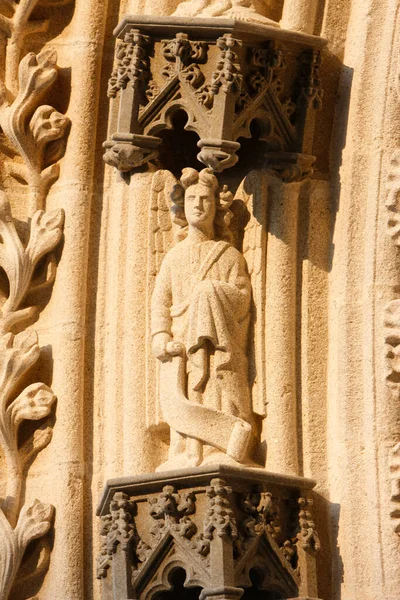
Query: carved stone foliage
(17,24)
(145,534)
(262,513)
(171,510)
(19,352)
(220,518)
(392,317)
(393,197)
(308,535)
(392,339)
(395,483)
(35,132)
(235,77)
(33,136)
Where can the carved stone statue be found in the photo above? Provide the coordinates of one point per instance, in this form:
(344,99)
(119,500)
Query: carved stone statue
(200,315)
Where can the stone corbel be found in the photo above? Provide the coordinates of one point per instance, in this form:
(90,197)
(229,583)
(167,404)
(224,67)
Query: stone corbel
(128,151)
(239,73)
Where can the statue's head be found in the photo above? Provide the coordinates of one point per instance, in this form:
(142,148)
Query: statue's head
(199,202)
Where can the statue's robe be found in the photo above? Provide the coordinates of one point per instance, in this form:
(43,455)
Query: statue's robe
(202,299)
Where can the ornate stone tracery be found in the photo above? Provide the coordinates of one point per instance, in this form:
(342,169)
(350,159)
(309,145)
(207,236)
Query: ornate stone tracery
(207,531)
(233,77)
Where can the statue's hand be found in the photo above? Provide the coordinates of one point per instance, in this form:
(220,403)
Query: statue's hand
(160,341)
(175,349)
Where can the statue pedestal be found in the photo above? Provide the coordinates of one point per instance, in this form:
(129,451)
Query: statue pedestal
(215,531)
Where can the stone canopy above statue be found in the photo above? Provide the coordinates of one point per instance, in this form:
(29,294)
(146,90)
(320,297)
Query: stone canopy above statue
(227,75)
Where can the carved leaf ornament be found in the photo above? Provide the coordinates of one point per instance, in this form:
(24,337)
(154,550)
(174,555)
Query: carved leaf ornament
(393,197)
(18,353)
(34,134)
(392,328)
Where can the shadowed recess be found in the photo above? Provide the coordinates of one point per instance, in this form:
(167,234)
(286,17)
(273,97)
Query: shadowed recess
(255,592)
(179,147)
(178,591)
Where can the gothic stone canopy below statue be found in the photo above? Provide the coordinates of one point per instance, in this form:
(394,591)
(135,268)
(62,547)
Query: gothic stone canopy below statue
(226,75)
(225,529)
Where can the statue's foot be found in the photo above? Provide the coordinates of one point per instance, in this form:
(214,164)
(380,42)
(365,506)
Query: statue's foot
(180,461)
(222,9)
(176,462)
(221,458)
(250,15)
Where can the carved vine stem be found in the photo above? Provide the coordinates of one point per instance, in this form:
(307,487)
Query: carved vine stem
(17,28)
(36,136)
(36,131)
(18,353)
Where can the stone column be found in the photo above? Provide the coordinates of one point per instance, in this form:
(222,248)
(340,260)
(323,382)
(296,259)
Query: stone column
(299,15)
(281,378)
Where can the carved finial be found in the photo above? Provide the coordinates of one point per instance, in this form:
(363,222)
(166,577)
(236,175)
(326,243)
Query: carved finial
(308,536)
(219,516)
(263,513)
(130,63)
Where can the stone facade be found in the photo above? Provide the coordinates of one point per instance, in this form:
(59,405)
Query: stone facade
(200,299)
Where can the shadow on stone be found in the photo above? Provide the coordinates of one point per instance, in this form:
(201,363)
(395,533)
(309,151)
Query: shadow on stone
(257,591)
(178,591)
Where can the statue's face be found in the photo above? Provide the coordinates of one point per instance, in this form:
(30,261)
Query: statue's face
(200,206)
